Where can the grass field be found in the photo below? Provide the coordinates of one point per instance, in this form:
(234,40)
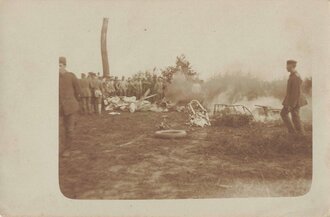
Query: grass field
(118,157)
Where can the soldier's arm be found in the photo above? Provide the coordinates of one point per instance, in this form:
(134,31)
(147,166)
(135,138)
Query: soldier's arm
(76,86)
(294,92)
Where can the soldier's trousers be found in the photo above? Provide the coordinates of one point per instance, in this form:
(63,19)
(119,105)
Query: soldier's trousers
(97,104)
(130,92)
(86,104)
(123,92)
(295,125)
(68,122)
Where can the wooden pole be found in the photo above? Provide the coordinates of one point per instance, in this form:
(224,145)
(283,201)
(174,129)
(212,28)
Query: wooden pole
(104,53)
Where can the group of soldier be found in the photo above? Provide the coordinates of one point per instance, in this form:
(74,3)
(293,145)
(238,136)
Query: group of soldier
(95,88)
(91,89)
(87,93)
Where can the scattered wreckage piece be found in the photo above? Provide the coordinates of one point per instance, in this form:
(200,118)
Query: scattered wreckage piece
(132,107)
(267,113)
(164,125)
(114,113)
(232,115)
(180,108)
(165,103)
(133,141)
(268,110)
(198,114)
(131,104)
(218,108)
(170,134)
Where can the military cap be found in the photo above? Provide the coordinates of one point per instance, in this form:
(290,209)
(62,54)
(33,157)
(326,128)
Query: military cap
(291,62)
(62,60)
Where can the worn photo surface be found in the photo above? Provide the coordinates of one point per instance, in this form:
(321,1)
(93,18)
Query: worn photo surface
(164,108)
(176,101)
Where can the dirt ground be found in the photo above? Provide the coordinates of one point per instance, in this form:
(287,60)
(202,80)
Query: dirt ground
(118,157)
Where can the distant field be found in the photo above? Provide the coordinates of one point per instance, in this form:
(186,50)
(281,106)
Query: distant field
(118,157)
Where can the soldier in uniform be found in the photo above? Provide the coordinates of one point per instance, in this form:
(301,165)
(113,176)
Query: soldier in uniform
(130,87)
(159,89)
(85,86)
(123,87)
(293,100)
(145,85)
(138,88)
(69,93)
(97,93)
(106,86)
(117,87)
(112,87)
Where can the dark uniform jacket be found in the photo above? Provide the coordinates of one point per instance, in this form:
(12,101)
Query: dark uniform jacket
(294,96)
(96,87)
(85,87)
(69,91)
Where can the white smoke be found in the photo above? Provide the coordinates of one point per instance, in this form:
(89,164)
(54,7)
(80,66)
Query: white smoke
(262,98)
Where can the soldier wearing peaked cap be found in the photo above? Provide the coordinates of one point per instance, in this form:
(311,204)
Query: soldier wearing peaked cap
(69,92)
(293,100)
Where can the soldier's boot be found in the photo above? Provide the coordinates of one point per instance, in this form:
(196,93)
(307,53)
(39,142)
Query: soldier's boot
(70,123)
(89,107)
(297,122)
(84,108)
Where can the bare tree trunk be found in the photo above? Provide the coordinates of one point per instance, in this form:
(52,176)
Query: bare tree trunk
(104,53)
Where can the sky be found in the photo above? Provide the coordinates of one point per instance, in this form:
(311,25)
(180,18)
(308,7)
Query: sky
(215,36)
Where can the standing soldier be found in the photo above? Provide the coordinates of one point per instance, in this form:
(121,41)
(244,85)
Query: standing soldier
(123,86)
(112,87)
(293,100)
(96,87)
(106,86)
(99,76)
(69,92)
(145,85)
(130,87)
(153,83)
(86,94)
(117,87)
(138,88)
(90,79)
(159,88)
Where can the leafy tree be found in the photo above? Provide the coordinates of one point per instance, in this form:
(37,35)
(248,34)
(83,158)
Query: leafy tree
(181,65)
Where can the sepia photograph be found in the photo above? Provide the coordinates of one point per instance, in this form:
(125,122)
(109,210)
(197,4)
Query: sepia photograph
(214,103)
(202,108)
